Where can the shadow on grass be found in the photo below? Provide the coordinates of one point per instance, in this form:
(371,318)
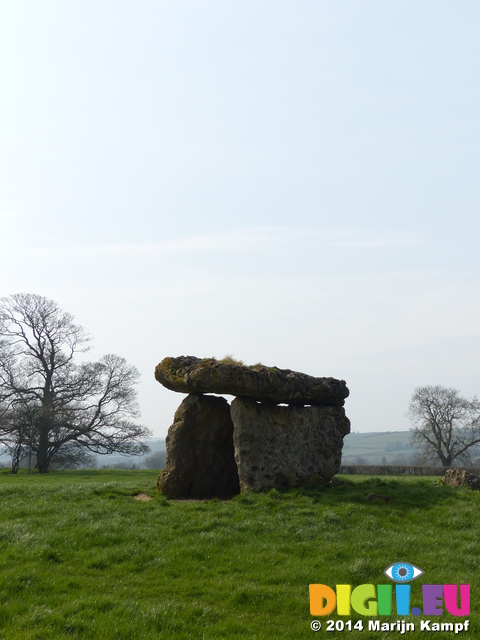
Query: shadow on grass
(407,494)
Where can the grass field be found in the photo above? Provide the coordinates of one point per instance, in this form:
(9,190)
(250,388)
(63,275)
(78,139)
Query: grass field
(375,446)
(80,558)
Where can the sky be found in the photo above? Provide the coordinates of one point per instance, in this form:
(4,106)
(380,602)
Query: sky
(294,183)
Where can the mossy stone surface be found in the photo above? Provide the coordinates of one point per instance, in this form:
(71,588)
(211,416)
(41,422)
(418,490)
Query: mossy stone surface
(188,374)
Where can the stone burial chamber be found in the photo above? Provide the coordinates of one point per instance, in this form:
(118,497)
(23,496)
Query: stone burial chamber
(284,429)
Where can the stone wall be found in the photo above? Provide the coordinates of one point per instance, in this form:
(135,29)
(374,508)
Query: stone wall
(395,470)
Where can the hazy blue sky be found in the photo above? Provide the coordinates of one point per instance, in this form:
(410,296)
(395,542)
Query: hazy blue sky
(295,183)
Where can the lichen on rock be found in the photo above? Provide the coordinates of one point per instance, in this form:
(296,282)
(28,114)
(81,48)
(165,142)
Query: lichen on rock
(284,447)
(188,374)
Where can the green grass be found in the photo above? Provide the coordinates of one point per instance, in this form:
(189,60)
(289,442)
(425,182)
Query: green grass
(80,558)
(229,358)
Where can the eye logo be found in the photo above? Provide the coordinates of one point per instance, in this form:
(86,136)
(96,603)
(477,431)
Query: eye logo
(402,572)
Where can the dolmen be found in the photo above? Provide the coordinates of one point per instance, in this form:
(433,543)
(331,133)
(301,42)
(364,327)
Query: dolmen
(284,429)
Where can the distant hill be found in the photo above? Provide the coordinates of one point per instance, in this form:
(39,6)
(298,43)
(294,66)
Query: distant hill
(374,446)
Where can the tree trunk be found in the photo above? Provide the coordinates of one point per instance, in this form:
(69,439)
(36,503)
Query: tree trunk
(43,461)
(16,457)
(447,460)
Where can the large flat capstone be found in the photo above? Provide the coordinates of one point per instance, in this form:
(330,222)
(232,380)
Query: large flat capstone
(188,374)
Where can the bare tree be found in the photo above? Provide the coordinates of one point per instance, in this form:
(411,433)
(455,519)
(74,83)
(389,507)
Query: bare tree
(64,407)
(15,434)
(446,427)
(73,456)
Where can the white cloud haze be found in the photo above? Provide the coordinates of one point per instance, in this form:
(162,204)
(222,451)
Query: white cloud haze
(296,185)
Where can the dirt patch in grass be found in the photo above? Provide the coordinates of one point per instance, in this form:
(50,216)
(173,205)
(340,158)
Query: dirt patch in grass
(143,497)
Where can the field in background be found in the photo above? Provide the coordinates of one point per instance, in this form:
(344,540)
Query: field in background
(389,447)
(370,447)
(114,460)
(80,558)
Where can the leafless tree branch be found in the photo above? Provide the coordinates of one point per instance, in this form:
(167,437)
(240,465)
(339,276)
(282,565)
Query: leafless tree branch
(446,426)
(63,407)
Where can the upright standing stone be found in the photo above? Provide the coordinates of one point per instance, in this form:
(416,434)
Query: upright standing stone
(200,458)
(283,447)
